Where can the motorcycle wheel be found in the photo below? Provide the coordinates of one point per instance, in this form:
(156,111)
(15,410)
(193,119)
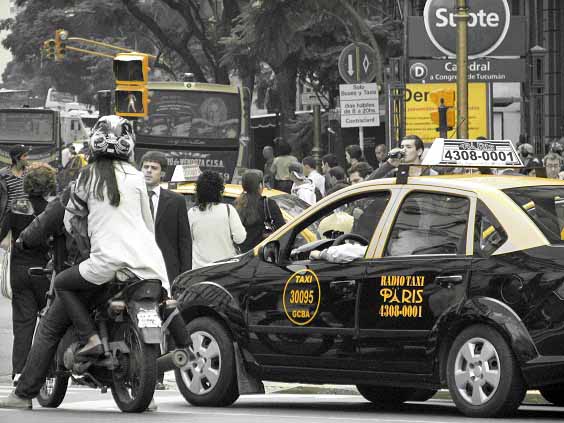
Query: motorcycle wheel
(133,382)
(53,391)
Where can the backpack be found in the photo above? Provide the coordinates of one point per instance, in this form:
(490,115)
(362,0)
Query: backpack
(79,224)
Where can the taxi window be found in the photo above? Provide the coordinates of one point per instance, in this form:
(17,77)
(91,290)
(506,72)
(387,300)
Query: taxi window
(358,215)
(545,206)
(429,223)
(489,235)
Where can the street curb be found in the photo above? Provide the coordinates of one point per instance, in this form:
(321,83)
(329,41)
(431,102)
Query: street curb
(532,397)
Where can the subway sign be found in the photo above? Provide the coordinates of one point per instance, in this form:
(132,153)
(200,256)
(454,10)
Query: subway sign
(488,25)
(492,30)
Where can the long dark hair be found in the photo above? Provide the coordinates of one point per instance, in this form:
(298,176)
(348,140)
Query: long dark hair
(250,201)
(209,189)
(100,174)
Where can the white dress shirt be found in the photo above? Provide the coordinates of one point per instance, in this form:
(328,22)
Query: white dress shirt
(155,199)
(318,180)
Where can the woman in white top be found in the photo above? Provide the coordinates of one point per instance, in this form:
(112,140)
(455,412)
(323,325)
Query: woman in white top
(215,226)
(120,226)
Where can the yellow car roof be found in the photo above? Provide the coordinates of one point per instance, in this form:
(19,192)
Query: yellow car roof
(231,190)
(469,182)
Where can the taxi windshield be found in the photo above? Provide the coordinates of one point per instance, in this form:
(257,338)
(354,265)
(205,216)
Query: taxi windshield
(545,206)
(293,206)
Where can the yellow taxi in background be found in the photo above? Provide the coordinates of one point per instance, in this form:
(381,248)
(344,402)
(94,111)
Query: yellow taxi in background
(290,205)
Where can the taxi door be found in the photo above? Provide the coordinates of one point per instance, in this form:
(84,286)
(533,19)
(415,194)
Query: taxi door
(420,269)
(302,312)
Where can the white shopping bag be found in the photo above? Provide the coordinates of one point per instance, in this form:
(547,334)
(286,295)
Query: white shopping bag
(5,253)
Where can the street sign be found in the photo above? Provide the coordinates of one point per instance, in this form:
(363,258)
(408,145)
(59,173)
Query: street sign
(357,63)
(457,152)
(479,70)
(487,26)
(359,105)
(514,43)
(419,106)
(309,99)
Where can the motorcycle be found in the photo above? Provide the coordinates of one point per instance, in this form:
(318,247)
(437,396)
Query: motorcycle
(132,320)
(127,317)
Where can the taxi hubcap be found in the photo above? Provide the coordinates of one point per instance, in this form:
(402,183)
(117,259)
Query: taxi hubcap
(477,371)
(201,374)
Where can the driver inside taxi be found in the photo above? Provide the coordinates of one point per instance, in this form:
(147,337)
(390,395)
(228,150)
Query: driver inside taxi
(361,223)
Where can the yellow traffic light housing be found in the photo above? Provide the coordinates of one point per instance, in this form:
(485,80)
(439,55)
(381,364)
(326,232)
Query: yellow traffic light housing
(131,72)
(49,48)
(60,46)
(131,101)
(131,68)
(450,118)
(449,97)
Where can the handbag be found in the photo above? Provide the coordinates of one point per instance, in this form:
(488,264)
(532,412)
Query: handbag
(5,254)
(268,226)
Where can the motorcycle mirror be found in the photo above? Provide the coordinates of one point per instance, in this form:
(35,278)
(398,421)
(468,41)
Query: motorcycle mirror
(22,206)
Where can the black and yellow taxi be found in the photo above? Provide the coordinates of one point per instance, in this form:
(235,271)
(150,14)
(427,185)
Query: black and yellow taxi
(460,284)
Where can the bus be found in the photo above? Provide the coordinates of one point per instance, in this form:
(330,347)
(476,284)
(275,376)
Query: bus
(36,128)
(195,124)
(14,98)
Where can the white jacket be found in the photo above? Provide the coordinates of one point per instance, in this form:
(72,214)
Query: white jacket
(123,236)
(213,233)
(305,191)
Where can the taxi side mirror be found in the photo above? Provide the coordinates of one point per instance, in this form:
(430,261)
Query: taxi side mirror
(270,252)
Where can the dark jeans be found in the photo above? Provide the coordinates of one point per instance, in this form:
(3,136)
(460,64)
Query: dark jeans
(28,298)
(71,287)
(50,330)
(282,185)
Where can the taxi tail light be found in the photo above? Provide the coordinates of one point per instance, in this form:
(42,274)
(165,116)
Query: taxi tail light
(117,306)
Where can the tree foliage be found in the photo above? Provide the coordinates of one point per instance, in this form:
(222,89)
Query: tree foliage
(267,44)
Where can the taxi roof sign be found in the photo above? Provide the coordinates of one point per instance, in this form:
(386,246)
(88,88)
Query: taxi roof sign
(472,153)
(186,173)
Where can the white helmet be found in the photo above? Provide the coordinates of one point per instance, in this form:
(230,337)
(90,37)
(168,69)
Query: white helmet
(112,136)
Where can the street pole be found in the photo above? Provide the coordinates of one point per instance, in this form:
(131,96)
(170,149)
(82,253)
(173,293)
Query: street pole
(316,150)
(462,68)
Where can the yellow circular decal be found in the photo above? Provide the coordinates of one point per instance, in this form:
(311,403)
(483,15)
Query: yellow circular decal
(301,297)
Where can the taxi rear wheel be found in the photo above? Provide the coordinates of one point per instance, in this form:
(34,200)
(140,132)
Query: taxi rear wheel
(385,396)
(483,376)
(554,394)
(210,379)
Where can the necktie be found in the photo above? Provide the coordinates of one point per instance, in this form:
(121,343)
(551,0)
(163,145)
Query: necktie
(151,193)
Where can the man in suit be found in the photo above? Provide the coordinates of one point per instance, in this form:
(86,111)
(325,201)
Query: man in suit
(172,230)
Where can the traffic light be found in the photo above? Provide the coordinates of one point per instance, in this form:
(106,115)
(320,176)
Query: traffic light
(60,46)
(49,48)
(448,96)
(449,116)
(444,117)
(131,72)
(131,68)
(131,101)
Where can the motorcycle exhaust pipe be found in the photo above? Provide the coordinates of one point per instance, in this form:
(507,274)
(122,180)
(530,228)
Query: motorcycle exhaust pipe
(173,360)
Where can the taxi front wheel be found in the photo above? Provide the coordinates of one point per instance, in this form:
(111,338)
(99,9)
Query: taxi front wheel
(210,379)
(483,376)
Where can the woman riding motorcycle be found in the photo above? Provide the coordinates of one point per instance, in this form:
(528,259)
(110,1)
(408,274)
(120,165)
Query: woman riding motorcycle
(120,225)
(53,325)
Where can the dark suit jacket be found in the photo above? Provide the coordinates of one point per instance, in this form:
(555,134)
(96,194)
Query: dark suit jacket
(172,232)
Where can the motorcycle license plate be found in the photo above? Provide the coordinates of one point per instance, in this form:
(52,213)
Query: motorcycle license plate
(148,319)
